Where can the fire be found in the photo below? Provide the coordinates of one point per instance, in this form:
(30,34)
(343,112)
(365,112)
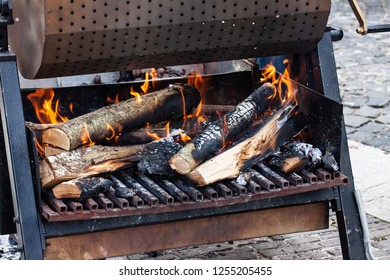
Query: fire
(109,127)
(154,135)
(145,86)
(136,95)
(285,88)
(109,100)
(85,138)
(184,138)
(154,75)
(46,109)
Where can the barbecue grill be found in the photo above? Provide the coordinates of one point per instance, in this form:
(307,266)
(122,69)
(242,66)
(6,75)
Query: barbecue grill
(61,38)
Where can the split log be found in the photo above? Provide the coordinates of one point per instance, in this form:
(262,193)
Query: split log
(82,188)
(154,107)
(219,132)
(288,160)
(94,160)
(277,130)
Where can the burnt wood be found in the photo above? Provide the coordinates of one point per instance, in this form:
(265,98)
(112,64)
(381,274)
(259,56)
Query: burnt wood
(219,133)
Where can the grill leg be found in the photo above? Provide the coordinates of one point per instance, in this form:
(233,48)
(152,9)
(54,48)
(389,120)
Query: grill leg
(15,139)
(348,218)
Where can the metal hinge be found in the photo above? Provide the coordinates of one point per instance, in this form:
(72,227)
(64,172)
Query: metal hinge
(363,29)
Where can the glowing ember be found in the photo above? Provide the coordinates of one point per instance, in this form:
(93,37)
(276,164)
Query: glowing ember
(46,109)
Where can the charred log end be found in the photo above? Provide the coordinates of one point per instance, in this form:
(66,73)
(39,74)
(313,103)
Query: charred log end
(56,138)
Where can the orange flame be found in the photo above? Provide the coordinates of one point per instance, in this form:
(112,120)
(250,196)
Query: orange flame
(71,107)
(154,75)
(184,138)
(285,88)
(154,135)
(145,86)
(109,127)
(136,95)
(109,100)
(46,110)
(167,129)
(85,138)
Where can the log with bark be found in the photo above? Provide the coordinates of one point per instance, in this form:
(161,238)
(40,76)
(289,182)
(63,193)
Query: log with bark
(217,133)
(94,160)
(276,131)
(82,188)
(165,104)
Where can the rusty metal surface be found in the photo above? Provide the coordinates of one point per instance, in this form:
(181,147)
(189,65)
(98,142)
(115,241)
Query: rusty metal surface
(189,232)
(189,198)
(59,38)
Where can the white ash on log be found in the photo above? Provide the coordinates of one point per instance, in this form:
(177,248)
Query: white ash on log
(217,133)
(277,130)
(154,107)
(82,188)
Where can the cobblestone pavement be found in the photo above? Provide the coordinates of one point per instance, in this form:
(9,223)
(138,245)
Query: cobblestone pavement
(363,69)
(363,65)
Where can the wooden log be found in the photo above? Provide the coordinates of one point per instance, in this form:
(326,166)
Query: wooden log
(288,160)
(277,130)
(154,107)
(82,188)
(220,132)
(94,160)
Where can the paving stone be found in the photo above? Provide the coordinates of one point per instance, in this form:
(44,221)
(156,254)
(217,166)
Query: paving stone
(350,130)
(331,242)
(301,240)
(354,102)
(367,111)
(355,121)
(378,101)
(377,142)
(384,119)
(361,136)
(372,127)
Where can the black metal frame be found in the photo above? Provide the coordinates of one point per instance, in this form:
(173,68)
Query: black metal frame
(32,231)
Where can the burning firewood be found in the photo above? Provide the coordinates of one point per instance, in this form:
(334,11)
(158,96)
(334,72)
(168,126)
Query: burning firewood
(219,132)
(94,160)
(82,188)
(277,130)
(164,104)
(288,160)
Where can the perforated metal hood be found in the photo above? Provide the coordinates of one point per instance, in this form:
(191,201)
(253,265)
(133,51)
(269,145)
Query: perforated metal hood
(60,38)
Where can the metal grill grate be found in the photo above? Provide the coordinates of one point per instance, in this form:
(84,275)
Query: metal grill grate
(58,38)
(157,195)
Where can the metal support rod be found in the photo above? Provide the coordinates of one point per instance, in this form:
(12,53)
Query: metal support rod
(25,208)
(350,229)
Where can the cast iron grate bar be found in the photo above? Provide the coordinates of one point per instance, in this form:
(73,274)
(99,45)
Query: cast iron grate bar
(155,189)
(223,190)
(261,180)
(273,176)
(140,190)
(173,190)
